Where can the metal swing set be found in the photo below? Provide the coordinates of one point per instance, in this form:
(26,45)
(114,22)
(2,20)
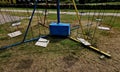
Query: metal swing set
(59,29)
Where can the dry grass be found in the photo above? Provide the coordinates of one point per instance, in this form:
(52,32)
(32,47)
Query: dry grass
(62,54)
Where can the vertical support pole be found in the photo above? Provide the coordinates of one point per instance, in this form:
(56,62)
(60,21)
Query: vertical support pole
(45,11)
(36,1)
(58,11)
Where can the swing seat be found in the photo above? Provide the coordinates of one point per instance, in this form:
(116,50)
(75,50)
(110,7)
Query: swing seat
(89,24)
(29,17)
(16,24)
(42,42)
(98,19)
(83,41)
(14,34)
(103,28)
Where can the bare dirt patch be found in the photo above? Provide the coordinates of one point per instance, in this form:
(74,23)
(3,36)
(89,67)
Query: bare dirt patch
(24,64)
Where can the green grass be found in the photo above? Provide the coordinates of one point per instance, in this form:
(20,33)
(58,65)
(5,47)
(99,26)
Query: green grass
(111,3)
(1,30)
(5,55)
(72,19)
(64,10)
(112,21)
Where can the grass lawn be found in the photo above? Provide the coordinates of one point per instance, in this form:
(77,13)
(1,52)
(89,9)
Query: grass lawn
(66,10)
(61,54)
(110,3)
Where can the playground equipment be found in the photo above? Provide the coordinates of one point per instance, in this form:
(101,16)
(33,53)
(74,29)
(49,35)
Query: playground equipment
(59,29)
(14,34)
(26,32)
(42,42)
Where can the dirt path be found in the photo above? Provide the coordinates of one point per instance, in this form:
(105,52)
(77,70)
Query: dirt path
(69,13)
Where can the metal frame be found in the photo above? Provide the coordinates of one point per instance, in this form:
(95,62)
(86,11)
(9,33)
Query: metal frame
(58,18)
(26,32)
(58,11)
(93,48)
